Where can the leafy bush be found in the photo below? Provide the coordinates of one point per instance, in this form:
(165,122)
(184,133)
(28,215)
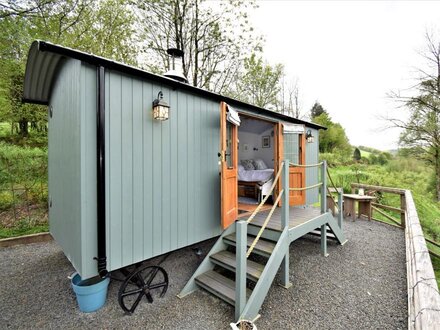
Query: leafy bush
(6,200)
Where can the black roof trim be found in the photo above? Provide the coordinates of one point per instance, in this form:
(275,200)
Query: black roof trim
(113,65)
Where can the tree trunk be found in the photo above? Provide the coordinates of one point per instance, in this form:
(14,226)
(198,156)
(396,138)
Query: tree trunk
(23,127)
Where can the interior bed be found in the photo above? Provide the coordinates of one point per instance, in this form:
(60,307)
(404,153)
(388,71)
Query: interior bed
(260,179)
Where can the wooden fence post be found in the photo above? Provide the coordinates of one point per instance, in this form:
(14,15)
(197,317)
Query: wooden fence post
(403,214)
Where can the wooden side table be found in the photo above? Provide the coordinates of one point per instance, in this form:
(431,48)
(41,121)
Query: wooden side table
(364,205)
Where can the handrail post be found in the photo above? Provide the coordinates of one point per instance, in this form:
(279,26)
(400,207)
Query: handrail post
(285,198)
(324,187)
(340,213)
(285,208)
(240,271)
(403,214)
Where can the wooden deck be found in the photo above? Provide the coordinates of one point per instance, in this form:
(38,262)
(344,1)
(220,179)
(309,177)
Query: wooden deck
(297,216)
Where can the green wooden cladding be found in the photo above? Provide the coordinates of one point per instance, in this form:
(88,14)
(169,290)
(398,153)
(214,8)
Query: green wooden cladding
(163,184)
(162,178)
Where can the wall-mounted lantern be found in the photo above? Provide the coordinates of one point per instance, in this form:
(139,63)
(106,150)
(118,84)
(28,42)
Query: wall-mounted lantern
(161,109)
(310,138)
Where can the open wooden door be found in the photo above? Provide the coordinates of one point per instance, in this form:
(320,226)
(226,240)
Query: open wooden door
(279,156)
(229,168)
(297,175)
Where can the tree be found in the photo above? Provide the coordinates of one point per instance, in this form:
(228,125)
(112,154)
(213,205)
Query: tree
(421,131)
(103,27)
(289,98)
(316,110)
(259,84)
(334,138)
(357,154)
(215,42)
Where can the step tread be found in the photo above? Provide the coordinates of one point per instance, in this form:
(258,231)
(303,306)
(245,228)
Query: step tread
(262,245)
(254,269)
(318,232)
(219,285)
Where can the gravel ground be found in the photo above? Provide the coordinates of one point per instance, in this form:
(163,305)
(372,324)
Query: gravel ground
(359,285)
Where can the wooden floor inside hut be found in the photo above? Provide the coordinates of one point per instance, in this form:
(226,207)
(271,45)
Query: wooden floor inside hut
(297,216)
(245,210)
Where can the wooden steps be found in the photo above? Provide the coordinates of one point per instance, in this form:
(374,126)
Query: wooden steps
(219,286)
(317,232)
(263,247)
(223,287)
(227,260)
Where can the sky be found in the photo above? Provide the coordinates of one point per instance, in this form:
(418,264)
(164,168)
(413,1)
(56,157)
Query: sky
(349,56)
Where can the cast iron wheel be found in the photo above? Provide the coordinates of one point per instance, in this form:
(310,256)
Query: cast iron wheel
(143,281)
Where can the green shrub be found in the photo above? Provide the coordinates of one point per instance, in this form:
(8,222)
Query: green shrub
(6,200)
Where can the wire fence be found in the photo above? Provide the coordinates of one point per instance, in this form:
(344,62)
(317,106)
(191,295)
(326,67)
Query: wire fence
(23,194)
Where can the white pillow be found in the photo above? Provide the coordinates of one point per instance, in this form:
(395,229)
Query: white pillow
(240,168)
(260,165)
(248,164)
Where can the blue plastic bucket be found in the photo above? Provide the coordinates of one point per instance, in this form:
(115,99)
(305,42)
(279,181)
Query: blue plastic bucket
(90,294)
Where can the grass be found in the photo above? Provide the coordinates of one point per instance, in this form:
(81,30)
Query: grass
(22,230)
(23,189)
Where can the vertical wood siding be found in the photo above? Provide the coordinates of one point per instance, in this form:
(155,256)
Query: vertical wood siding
(65,156)
(312,173)
(162,177)
(88,172)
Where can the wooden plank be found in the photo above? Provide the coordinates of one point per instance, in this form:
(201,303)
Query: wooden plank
(432,242)
(228,259)
(114,169)
(387,223)
(126,154)
(147,169)
(386,215)
(219,285)
(423,297)
(138,202)
(434,254)
(378,188)
(403,207)
(387,207)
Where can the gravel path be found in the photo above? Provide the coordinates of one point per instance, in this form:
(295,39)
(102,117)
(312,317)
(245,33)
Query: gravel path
(359,285)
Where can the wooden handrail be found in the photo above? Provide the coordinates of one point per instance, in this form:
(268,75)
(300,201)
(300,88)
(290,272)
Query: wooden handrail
(423,295)
(379,188)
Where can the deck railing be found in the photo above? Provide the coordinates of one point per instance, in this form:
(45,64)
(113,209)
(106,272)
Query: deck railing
(423,294)
(378,207)
(242,252)
(325,190)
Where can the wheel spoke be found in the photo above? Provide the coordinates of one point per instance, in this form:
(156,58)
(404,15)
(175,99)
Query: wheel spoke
(141,282)
(138,299)
(149,297)
(158,285)
(132,292)
(152,276)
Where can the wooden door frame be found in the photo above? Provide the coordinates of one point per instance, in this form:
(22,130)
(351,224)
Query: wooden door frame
(228,196)
(301,171)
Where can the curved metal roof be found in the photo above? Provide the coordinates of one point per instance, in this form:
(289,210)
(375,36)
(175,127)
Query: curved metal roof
(45,59)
